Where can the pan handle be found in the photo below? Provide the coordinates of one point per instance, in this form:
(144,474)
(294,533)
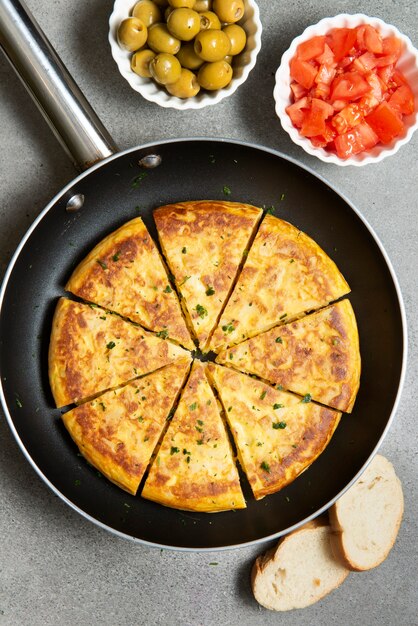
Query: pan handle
(53,89)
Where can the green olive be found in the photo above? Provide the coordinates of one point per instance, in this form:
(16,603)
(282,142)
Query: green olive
(188,57)
(140,62)
(237,37)
(147,11)
(216,75)
(183,24)
(229,10)
(132,34)
(165,68)
(186,86)
(202,5)
(161,40)
(209,19)
(180,4)
(212,45)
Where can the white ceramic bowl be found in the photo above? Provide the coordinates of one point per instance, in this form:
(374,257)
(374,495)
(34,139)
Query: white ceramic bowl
(408,64)
(243,63)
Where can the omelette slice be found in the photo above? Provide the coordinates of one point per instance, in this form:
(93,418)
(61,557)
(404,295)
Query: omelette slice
(194,468)
(203,243)
(285,275)
(124,273)
(318,354)
(92,350)
(277,434)
(118,431)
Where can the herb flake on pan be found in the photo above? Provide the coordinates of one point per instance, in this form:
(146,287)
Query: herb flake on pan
(174,450)
(228,328)
(115,257)
(185,279)
(201,311)
(138,179)
(226,190)
(306,398)
(277,406)
(265,466)
(193,407)
(110,345)
(184,250)
(270,210)
(102,264)
(210,291)
(279,425)
(162,334)
(263,395)
(279,340)
(167,289)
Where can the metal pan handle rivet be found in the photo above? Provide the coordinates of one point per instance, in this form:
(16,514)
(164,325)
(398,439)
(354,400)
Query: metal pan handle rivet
(75,202)
(150,161)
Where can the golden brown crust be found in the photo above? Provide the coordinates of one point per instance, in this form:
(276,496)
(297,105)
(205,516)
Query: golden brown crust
(277,434)
(318,354)
(118,431)
(285,275)
(194,468)
(124,273)
(92,350)
(204,243)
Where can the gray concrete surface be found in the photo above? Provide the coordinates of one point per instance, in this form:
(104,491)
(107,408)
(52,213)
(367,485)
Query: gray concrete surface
(55,567)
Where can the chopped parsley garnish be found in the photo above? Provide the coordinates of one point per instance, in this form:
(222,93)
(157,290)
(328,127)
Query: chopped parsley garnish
(163,334)
(186,451)
(184,250)
(102,317)
(263,395)
(140,418)
(279,340)
(212,159)
(102,264)
(138,179)
(265,466)
(292,261)
(277,425)
(193,406)
(200,422)
(270,210)
(102,404)
(208,402)
(279,387)
(306,398)
(170,415)
(229,409)
(185,279)
(199,429)
(277,406)
(283,316)
(167,289)
(228,328)
(18,403)
(77,483)
(210,291)
(231,356)
(110,345)
(199,442)
(115,257)
(174,450)
(282,197)
(260,443)
(335,342)
(226,190)
(201,311)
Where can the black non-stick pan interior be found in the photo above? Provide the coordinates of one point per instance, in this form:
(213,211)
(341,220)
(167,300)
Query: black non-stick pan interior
(201,169)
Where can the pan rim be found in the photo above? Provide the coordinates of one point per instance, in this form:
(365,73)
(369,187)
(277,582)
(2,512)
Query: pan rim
(389,265)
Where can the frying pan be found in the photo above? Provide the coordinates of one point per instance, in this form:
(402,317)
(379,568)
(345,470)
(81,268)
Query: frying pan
(104,197)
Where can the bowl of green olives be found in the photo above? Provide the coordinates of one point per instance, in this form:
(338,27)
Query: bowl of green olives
(185,54)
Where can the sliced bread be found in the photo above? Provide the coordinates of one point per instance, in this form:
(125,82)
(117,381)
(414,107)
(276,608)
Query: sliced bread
(299,571)
(365,521)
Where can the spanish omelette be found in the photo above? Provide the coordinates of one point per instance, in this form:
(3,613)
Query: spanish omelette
(92,350)
(204,243)
(317,354)
(277,434)
(194,468)
(118,431)
(285,275)
(125,273)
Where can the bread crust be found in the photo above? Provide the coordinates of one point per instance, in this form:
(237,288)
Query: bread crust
(341,527)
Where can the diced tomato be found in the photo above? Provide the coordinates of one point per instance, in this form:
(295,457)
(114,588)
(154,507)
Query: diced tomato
(402,100)
(298,110)
(364,63)
(314,120)
(392,45)
(348,93)
(302,72)
(385,122)
(349,86)
(327,57)
(341,40)
(372,40)
(346,119)
(311,49)
(298,91)
(360,138)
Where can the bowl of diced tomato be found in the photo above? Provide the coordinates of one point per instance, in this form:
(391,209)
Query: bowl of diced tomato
(347,90)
